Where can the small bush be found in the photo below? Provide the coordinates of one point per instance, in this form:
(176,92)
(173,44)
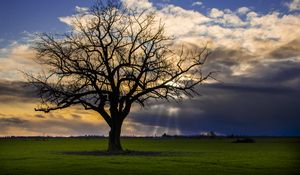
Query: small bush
(244,140)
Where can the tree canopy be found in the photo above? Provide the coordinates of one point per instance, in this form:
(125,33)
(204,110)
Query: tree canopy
(113,57)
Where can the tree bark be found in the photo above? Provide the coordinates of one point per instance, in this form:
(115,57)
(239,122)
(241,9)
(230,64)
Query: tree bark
(114,142)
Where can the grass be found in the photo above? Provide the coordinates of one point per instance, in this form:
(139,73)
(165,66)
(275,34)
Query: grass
(178,156)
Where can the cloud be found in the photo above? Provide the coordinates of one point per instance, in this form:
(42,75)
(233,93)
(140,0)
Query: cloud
(289,50)
(81,9)
(293,5)
(197,3)
(232,20)
(39,116)
(12,121)
(258,89)
(140,5)
(13,91)
(215,13)
(243,10)
(256,33)
(176,17)
(17,57)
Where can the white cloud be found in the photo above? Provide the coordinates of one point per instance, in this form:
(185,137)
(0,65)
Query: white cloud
(227,11)
(232,20)
(243,10)
(67,20)
(197,3)
(81,9)
(216,13)
(140,4)
(14,58)
(181,22)
(293,5)
(251,15)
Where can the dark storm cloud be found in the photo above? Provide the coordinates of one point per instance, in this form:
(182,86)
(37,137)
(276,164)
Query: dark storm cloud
(229,56)
(222,60)
(265,101)
(252,88)
(227,111)
(280,65)
(281,71)
(12,121)
(16,91)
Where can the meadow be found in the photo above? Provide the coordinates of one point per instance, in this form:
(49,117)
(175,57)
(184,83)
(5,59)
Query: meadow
(153,156)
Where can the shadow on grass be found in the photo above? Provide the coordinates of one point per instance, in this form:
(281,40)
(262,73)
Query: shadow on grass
(125,153)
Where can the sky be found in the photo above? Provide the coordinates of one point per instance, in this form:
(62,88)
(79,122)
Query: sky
(255,48)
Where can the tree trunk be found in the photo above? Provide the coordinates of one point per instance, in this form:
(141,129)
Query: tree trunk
(114,142)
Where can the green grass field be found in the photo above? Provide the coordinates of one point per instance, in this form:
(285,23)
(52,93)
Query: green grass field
(176,156)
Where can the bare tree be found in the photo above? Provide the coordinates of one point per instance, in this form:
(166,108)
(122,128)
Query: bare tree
(112,58)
